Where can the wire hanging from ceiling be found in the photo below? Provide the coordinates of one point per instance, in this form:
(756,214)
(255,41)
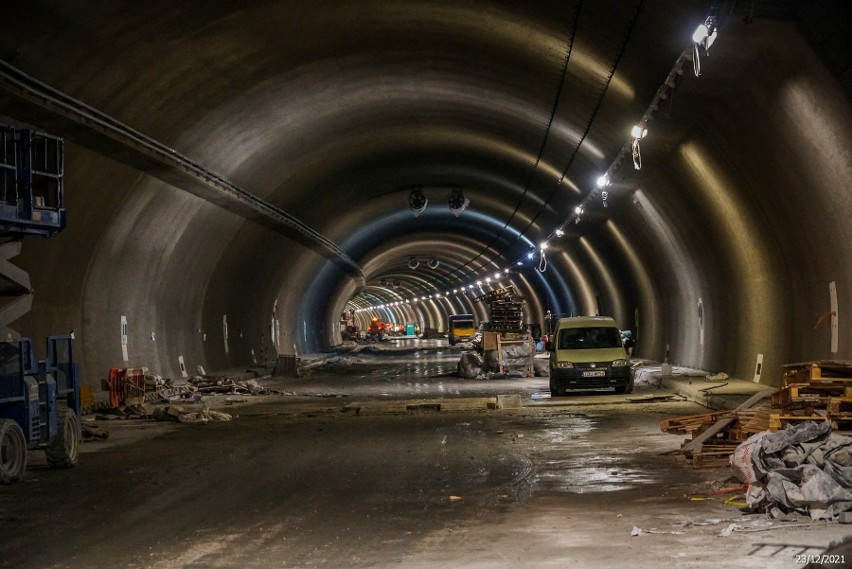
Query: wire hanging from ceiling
(569,48)
(612,70)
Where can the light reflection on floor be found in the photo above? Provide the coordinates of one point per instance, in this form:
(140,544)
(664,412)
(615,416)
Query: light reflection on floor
(583,469)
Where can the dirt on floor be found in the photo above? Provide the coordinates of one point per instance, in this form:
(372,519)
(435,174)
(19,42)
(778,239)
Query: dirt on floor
(356,471)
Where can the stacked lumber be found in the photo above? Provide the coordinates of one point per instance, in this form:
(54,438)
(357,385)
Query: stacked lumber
(715,435)
(754,420)
(692,424)
(814,391)
(811,391)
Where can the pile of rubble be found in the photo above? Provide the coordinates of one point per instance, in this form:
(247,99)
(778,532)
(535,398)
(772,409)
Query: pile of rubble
(190,412)
(224,385)
(137,393)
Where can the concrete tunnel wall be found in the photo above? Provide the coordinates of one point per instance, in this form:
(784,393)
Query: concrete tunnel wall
(743,203)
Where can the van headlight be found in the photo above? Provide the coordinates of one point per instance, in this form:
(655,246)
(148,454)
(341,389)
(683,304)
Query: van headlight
(564,364)
(620,363)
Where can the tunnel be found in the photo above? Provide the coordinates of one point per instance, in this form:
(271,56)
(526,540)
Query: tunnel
(238,177)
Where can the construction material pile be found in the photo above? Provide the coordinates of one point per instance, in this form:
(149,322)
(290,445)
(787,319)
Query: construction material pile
(225,385)
(715,435)
(820,391)
(811,391)
(505,348)
(506,310)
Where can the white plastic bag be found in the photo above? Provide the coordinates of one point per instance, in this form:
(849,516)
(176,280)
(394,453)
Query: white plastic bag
(741,462)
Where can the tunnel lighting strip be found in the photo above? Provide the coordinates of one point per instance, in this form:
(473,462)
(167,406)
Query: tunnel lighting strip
(638,132)
(32,90)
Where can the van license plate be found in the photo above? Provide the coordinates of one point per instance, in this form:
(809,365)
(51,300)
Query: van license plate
(596,373)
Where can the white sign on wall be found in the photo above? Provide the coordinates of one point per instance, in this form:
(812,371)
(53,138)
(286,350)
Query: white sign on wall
(225,330)
(124,339)
(758,368)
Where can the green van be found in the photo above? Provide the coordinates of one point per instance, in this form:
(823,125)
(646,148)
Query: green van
(586,352)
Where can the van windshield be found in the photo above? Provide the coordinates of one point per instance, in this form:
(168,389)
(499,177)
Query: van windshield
(587,338)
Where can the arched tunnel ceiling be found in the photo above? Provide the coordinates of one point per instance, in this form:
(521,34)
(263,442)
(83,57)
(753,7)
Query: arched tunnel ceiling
(333,112)
(325,109)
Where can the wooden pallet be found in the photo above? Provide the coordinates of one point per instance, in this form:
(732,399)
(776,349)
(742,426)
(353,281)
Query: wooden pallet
(818,394)
(751,421)
(809,372)
(692,423)
(840,405)
(778,422)
(713,456)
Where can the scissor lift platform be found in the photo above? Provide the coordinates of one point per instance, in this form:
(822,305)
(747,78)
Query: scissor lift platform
(31,190)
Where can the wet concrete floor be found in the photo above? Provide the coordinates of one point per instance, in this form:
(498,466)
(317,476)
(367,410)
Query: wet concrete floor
(308,480)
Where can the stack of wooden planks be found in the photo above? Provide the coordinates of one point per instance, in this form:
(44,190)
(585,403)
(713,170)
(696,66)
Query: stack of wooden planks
(715,435)
(814,391)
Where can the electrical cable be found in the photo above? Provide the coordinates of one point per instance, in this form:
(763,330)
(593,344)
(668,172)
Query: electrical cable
(569,47)
(613,68)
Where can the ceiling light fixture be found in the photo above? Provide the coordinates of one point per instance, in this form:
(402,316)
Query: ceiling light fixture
(417,201)
(704,36)
(457,201)
(639,131)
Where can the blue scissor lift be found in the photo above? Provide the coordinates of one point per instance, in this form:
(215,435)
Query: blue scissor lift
(39,399)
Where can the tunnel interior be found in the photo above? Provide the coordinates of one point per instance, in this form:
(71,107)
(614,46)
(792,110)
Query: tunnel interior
(237,177)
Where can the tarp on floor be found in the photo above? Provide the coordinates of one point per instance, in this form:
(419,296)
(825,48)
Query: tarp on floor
(806,469)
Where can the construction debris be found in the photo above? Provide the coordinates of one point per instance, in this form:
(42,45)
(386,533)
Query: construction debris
(213,384)
(814,391)
(811,391)
(184,414)
(715,435)
(504,347)
(94,432)
(805,469)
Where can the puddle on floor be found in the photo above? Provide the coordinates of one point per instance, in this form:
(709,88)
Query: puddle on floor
(568,460)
